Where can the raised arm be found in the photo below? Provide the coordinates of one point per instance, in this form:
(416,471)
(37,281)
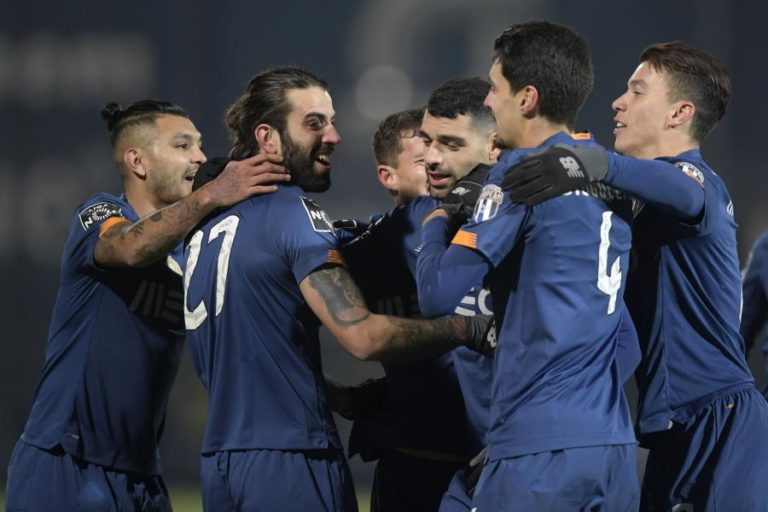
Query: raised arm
(563,168)
(338,303)
(137,244)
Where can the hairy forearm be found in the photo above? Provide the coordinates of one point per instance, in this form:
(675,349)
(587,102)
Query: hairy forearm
(404,339)
(152,237)
(336,299)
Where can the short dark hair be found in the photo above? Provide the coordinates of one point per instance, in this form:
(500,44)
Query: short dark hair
(552,58)
(388,139)
(140,112)
(696,76)
(264,102)
(461,96)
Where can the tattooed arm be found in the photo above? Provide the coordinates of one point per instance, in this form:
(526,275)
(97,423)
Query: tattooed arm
(137,244)
(339,304)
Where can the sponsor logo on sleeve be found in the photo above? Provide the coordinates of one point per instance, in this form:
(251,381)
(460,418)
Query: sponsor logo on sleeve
(97,213)
(488,203)
(691,171)
(317,216)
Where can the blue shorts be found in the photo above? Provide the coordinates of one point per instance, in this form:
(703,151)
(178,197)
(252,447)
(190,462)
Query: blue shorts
(718,460)
(456,499)
(595,478)
(53,480)
(316,480)
(410,484)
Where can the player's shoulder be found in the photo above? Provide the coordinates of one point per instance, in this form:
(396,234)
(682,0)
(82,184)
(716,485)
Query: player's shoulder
(419,207)
(100,207)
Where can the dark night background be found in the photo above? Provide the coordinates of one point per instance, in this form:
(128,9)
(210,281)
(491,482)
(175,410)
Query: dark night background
(60,62)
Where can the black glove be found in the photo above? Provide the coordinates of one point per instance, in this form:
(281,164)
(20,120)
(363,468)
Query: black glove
(353,227)
(481,334)
(209,170)
(559,169)
(361,400)
(460,202)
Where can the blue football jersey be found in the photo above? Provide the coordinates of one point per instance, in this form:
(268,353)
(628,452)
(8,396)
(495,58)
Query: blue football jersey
(424,408)
(252,336)
(684,297)
(113,350)
(754,312)
(558,272)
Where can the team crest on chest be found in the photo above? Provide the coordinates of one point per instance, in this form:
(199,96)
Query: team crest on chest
(317,216)
(97,213)
(691,171)
(488,203)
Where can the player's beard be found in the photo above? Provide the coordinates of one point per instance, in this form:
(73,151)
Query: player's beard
(300,162)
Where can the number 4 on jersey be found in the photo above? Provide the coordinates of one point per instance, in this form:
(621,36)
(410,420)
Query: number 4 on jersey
(609,284)
(193,319)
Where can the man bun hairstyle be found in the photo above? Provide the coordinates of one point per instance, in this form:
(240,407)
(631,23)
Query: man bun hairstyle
(138,113)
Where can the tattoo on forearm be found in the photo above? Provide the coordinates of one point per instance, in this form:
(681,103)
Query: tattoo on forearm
(341,295)
(156,234)
(414,338)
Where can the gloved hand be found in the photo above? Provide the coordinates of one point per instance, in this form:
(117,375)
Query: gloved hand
(558,169)
(481,334)
(460,202)
(209,170)
(356,402)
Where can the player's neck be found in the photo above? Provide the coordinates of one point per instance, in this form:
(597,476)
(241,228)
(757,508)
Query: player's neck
(537,130)
(668,148)
(139,201)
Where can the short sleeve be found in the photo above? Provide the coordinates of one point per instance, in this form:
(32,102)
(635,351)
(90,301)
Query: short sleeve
(307,237)
(91,219)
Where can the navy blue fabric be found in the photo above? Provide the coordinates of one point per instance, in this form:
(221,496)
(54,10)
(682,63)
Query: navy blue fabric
(252,336)
(253,480)
(556,380)
(53,480)
(113,350)
(589,478)
(685,297)
(754,312)
(714,461)
(424,408)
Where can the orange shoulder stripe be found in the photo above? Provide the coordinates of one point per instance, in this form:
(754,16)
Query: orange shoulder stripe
(466,239)
(109,223)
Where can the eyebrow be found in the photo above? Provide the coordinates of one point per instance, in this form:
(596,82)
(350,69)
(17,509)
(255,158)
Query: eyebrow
(638,83)
(452,139)
(319,115)
(188,136)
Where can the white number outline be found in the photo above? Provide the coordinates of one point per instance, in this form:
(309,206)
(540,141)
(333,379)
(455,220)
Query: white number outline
(195,318)
(609,284)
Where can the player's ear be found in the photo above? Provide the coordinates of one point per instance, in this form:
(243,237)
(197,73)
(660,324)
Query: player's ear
(387,177)
(133,160)
(268,139)
(528,99)
(682,112)
(493,147)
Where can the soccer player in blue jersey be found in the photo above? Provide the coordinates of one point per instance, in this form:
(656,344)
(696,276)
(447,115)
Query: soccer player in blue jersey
(560,432)
(260,278)
(755,297)
(699,412)
(421,434)
(115,339)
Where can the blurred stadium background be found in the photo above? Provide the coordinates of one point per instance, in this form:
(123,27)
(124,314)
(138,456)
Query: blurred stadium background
(61,62)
